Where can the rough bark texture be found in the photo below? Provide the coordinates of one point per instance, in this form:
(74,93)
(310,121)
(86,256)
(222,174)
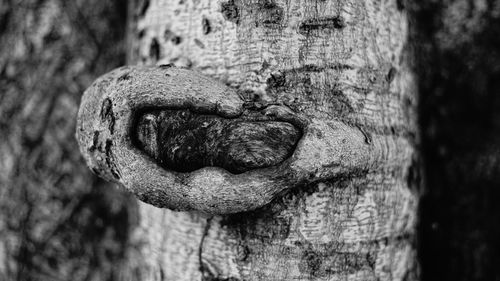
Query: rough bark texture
(329,60)
(459,70)
(57,221)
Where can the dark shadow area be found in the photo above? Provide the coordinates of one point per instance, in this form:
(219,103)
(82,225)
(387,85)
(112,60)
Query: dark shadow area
(458,64)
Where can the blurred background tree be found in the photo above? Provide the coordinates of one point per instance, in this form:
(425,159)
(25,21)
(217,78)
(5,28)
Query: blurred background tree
(57,222)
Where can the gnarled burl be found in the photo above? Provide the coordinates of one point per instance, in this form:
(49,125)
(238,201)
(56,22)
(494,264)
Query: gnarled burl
(180,140)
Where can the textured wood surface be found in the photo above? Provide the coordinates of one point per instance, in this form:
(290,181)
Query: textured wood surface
(340,64)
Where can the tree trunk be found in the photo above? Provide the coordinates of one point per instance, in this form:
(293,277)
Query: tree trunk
(331,60)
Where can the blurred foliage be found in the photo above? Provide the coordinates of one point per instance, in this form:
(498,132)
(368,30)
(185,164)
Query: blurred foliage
(57,220)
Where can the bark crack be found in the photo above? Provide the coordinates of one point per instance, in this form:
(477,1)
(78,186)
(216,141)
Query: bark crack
(205,271)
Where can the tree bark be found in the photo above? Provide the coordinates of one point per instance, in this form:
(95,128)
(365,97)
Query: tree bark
(331,60)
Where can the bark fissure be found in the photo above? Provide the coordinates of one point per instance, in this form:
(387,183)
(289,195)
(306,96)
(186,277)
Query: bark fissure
(206,274)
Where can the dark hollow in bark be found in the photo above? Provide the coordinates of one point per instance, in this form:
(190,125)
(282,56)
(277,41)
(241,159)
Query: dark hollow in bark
(183,141)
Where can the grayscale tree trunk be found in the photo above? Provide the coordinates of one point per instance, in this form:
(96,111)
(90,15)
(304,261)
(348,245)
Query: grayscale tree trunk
(343,60)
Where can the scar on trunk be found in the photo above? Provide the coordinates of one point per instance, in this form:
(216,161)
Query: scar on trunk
(184,141)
